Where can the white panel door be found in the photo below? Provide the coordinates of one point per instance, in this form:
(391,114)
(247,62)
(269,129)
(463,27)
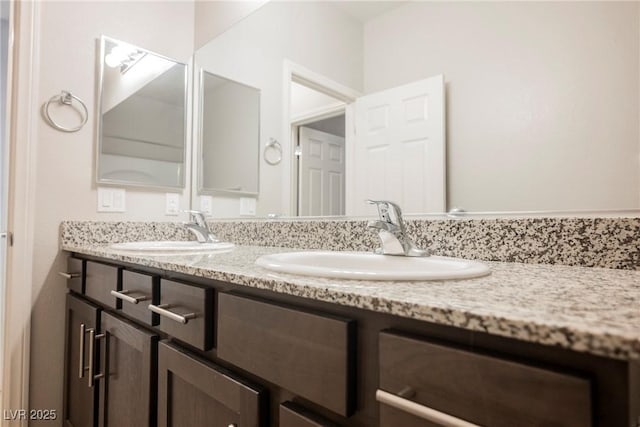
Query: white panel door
(322,178)
(399,151)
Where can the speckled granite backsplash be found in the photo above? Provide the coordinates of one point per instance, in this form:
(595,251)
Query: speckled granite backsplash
(590,242)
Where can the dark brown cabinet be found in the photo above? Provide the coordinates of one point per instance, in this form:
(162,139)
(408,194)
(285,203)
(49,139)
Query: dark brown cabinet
(186,313)
(310,354)
(113,365)
(219,354)
(432,383)
(110,370)
(194,393)
(82,320)
(127,374)
(100,280)
(138,291)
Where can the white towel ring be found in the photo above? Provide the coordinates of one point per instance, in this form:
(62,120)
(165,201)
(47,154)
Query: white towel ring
(66,98)
(275,146)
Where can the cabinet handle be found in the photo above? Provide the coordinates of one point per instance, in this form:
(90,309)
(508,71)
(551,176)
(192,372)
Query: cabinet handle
(124,295)
(93,338)
(163,310)
(421,411)
(69,275)
(92,334)
(81,358)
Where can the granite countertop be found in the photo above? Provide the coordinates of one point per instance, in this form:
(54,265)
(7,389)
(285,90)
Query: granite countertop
(586,309)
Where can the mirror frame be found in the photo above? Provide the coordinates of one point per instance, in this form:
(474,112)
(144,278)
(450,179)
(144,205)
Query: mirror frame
(100,82)
(198,164)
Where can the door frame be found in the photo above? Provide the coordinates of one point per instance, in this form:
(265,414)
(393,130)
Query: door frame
(23,77)
(293,72)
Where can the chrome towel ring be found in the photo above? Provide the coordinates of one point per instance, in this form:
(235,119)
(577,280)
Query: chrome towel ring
(272,145)
(66,98)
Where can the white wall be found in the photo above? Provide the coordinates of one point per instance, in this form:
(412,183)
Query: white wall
(542,97)
(65,162)
(253,53)
(212,18)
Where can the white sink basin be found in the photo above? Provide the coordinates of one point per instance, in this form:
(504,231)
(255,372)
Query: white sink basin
(371,266)
(171,247)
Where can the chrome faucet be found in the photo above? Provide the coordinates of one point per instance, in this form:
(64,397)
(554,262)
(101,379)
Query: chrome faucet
(198,226)
(392,233)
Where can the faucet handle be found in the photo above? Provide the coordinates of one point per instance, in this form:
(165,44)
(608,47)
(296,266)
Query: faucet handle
(388,211)
(197,217)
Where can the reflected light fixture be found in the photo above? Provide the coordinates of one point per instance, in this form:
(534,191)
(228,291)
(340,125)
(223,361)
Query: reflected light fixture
(124,57)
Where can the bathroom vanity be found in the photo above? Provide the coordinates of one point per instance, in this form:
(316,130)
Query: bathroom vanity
(214,339)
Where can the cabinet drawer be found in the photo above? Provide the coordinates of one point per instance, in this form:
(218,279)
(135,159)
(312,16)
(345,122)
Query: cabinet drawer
(73,274)
(418,377)
(194,393)
(100,280)
(293,415)
(186,313)
(309,354)
(138,291)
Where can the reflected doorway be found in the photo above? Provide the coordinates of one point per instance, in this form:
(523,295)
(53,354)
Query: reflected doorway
(318,125)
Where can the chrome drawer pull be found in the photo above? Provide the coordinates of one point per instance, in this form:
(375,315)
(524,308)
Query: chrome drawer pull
(124,295)
(92,348)
(421,411)
(69,275)
(92,334)
(163,310)
(81,368)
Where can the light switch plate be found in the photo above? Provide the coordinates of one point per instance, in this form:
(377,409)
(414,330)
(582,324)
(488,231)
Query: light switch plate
(206,205)
(111,199)
(173,204)
(247,206)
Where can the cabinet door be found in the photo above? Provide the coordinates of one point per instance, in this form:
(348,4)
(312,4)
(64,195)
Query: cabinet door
(128,374)
(193,393)
(82,322)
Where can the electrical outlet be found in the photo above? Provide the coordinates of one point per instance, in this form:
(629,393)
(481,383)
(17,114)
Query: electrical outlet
(247,206)
(111,199)
(206,205)
(173,204)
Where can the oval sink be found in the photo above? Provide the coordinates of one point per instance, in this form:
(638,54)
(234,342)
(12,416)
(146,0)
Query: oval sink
(172,247)
(371,266)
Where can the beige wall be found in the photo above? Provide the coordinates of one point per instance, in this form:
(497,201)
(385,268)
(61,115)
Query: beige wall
(542,97)
(65,162)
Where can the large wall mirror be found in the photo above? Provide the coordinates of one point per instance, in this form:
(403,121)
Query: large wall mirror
(229,117)
(541,99)
(142,118)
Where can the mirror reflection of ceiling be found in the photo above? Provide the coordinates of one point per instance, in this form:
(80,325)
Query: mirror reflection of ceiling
(142,118)
(542,97)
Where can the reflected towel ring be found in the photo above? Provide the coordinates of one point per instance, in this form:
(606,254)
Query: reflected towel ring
(66,98)
(272,145)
